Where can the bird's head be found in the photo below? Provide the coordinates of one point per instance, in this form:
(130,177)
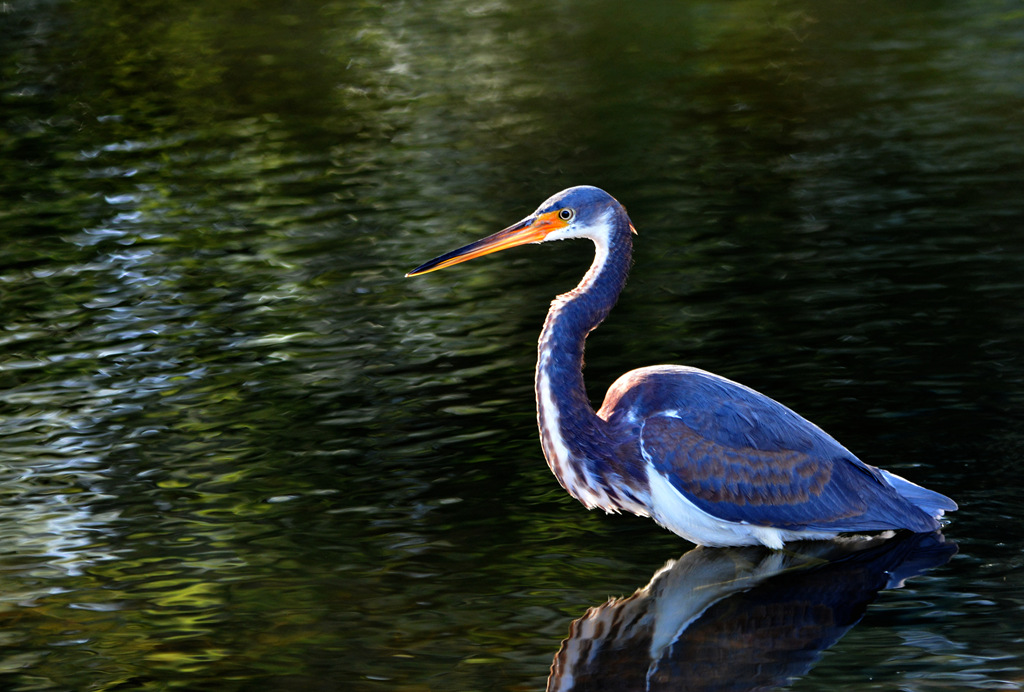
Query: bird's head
(578,212)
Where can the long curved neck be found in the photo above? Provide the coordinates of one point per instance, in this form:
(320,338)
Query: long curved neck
(564,413)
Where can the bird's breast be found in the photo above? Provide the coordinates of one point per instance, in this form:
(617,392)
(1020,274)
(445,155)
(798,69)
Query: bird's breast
(592,476)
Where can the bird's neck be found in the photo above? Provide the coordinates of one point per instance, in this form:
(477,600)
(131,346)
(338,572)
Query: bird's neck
(568,423)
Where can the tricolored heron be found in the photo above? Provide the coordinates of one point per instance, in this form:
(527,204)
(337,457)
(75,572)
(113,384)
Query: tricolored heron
(707,458)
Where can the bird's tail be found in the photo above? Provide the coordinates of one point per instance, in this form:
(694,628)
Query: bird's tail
(933,503)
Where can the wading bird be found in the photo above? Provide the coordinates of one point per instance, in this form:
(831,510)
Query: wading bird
(707,458)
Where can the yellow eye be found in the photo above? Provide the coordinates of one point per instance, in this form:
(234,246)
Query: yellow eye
(566,214)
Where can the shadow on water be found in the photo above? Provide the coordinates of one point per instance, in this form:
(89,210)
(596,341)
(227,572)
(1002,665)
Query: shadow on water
(738,618)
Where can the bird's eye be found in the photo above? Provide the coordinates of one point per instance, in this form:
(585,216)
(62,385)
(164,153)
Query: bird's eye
(566,214)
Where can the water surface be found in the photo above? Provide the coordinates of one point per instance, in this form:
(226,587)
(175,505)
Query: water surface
(240,451)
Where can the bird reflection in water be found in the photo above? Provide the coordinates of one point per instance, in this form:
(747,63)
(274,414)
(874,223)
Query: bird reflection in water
(738,618)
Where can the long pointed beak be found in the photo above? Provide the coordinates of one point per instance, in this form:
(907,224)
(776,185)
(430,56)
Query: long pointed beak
(532,229)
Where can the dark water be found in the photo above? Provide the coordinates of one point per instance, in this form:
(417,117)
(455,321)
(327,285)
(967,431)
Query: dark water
(240,451)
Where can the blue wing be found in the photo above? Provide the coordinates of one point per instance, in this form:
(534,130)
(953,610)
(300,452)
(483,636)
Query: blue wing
(742,457)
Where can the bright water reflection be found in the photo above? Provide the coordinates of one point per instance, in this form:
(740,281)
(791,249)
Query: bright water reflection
(240,451)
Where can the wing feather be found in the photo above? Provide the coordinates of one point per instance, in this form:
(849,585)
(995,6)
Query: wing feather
(743,457)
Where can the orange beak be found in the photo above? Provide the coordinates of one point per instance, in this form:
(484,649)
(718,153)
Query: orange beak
(532,229)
